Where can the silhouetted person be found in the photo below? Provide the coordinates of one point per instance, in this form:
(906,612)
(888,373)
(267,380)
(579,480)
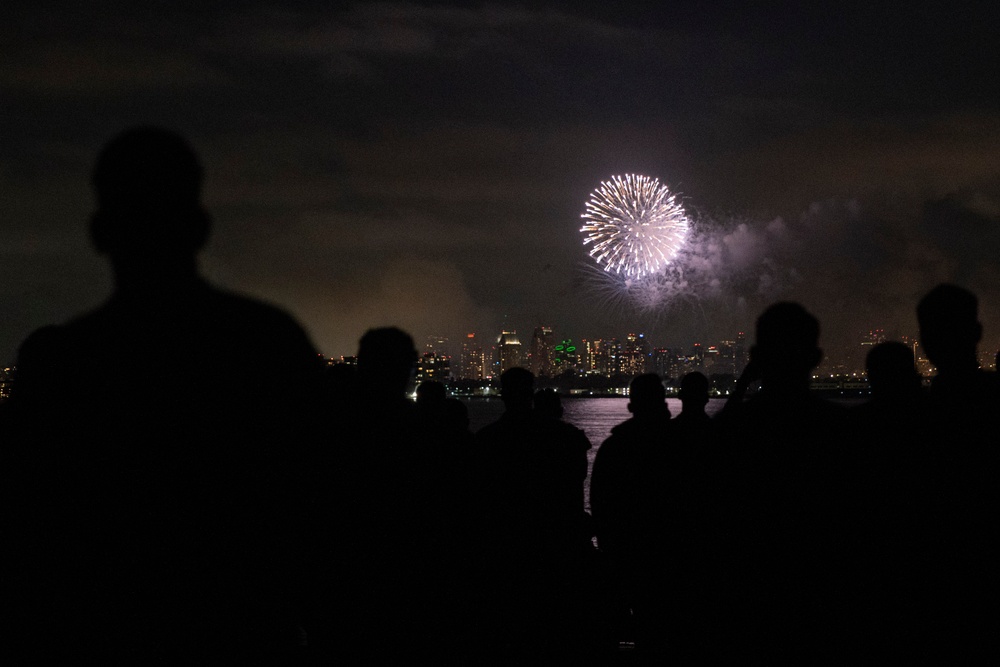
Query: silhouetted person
(535,467)
(693,420)
(897,494)
(892,373)
(386,362)
(963,403)
(950,332)
(548,403)
(431,392)
(166,432)
(444,416)
(625,491)
(619,479)
(548,407)
(380,515)
(889,421)
(782,497)
(542,462)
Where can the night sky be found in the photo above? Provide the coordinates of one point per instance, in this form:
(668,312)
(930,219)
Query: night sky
(426,165)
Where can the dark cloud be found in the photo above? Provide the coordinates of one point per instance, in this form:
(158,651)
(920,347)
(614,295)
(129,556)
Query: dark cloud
(843,156)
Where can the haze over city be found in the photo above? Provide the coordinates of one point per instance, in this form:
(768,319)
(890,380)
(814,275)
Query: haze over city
(426,165)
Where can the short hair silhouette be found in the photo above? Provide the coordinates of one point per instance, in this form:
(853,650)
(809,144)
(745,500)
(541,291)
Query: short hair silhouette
(148,185)
(431,392)
(950,331)
(548,403)
(694,389)
(891,370)
(386,358)
(646,394)
(517,387)
(787,341)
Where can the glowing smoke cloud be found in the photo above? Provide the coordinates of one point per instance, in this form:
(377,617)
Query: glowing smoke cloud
(635,227)
(724,266)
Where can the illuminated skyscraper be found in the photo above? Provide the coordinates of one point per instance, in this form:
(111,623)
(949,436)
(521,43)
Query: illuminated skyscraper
(740,356)
(712,361)
(508,351)
(611,361)
(633,354)
(431,366)
(601,357)
(439,345)
(666,363)
(473,363)
(698,357)
(439,349)
(542,347)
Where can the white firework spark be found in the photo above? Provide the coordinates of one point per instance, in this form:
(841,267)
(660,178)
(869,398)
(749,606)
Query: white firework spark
(635,224)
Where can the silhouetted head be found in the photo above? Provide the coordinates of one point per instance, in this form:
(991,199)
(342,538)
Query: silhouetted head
(694,392)
(950,331)
(431,392)
(892,373)
(386,359)
(548,403)
(647,396)
(517,388)
(148,186)
(787,346)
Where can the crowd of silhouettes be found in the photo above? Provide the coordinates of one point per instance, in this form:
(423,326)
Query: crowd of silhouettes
(170,503)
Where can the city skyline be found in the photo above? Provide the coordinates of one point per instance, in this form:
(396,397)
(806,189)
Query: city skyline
(544,361)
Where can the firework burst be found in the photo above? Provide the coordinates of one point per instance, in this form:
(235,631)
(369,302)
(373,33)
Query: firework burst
(634,225)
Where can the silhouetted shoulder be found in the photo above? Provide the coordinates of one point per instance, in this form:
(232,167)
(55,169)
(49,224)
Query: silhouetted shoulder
(42,353)
(200,347)
(199,315)
(275,329)
(566,432)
